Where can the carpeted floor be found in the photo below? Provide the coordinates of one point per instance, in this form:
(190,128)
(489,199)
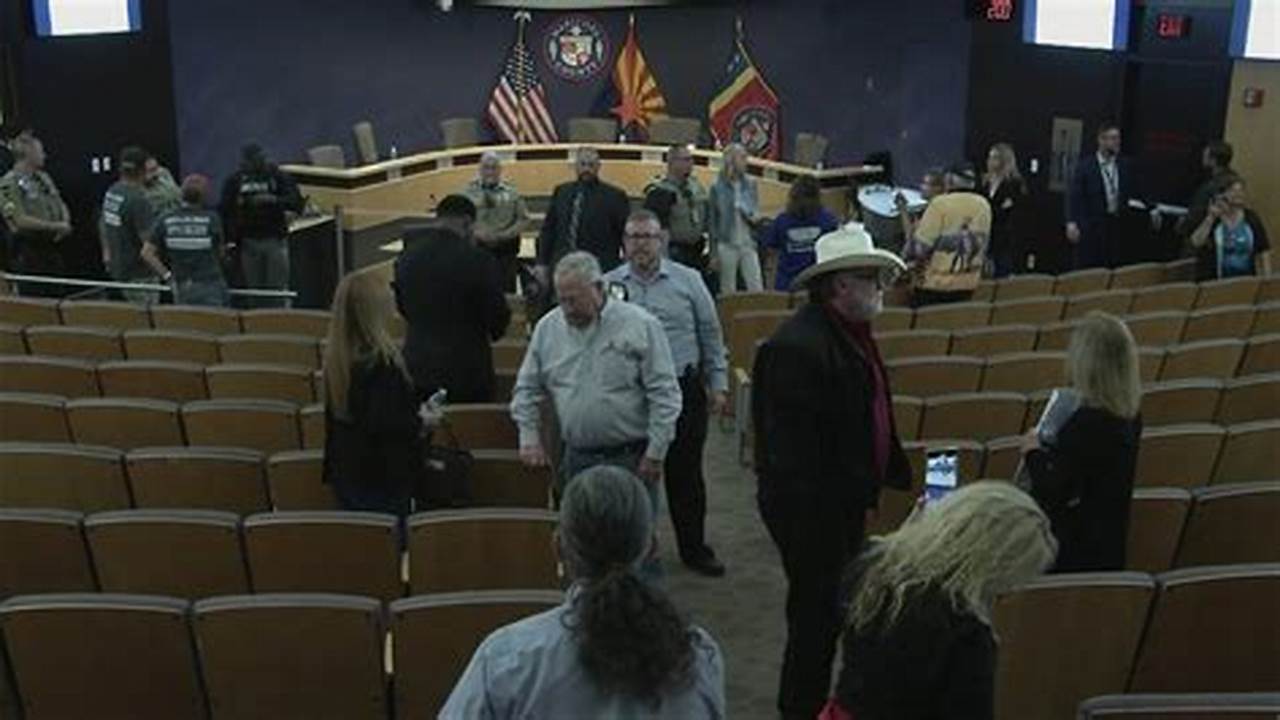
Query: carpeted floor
(744,609)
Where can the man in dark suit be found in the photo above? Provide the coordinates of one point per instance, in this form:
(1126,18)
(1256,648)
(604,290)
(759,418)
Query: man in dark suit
(1097,201)
(586,214)
(825,445)
(450,294)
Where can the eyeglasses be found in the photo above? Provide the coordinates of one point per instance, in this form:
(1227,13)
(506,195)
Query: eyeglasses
(643,236)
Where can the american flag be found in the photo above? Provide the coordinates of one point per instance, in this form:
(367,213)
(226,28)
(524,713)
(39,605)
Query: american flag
(518,107)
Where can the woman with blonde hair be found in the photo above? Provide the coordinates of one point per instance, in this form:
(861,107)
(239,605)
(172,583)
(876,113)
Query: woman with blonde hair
(918,643)
(373,433)
(733,214)
(1082,455)
(1005,190)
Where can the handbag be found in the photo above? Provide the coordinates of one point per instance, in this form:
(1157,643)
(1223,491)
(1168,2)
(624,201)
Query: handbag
(446,482)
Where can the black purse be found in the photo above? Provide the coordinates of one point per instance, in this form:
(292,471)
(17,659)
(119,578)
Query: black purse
(446,481)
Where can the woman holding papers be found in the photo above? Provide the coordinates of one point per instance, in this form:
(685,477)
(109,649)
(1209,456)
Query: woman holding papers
(1082,455)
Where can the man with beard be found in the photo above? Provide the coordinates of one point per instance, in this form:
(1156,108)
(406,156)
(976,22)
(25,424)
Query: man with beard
(585,214)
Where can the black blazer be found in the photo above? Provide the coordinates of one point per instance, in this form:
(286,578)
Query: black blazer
(450,294)
(1084,484)
(812,411)
(1087,196)
(1006,206)
(604,216)
(373,460)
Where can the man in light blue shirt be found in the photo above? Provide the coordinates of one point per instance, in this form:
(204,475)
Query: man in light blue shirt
(677,297)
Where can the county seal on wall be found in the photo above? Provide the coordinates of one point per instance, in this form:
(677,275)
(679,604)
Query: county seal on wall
(577,47)
(755,128)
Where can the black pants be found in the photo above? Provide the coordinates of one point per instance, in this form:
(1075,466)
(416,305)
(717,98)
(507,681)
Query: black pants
(505,255)
(686,486)
(817,541)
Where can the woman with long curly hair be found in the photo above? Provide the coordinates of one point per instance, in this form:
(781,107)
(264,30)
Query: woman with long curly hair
(617,647)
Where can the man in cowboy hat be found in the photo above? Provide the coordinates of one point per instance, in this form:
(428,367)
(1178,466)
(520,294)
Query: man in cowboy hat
(825,445)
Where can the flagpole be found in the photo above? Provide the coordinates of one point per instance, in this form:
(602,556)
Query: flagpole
(521,16)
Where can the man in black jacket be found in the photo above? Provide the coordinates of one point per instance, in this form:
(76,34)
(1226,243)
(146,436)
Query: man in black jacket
(258,202)
(826,444)
(450,294)
(586,214)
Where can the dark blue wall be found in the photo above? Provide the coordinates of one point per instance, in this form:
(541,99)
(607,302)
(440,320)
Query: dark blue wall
(297,73)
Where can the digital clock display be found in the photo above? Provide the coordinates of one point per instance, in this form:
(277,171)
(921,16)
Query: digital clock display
(991,10)
(1173,27)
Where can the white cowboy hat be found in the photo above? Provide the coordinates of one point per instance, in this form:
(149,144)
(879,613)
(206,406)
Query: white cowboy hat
(848,248)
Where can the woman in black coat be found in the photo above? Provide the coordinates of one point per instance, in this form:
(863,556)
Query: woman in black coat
(1081,463)
(373,433)
(1005,190)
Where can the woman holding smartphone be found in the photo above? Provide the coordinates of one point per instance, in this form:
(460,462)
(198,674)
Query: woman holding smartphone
(1081,469)
(1232,240)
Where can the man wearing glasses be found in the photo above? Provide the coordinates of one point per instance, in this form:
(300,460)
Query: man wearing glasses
(501,215)
(676,295)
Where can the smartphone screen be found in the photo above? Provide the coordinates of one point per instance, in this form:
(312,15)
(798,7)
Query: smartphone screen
(941,474)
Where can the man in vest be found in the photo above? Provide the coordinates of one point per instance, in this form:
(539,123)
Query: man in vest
(680,202)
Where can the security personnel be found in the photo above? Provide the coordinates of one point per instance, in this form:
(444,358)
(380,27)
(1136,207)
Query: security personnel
(126,224)
(34,214)
(189,239)
(160,188)
(680,202)
(501,215)
(256,205)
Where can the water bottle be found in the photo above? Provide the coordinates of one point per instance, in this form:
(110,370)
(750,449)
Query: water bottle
(394,152)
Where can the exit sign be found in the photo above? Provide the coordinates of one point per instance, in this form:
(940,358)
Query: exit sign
(1171,26)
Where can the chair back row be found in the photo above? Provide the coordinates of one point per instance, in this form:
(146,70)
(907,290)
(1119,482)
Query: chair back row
(130,316)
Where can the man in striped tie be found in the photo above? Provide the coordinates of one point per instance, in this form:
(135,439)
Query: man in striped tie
(585,214)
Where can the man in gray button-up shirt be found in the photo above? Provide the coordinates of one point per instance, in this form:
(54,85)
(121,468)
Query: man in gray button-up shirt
(606,367)
(676,295)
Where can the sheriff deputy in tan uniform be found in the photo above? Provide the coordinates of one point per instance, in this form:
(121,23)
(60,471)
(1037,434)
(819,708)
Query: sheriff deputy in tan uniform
(34,213)
(501,215)
(680,202)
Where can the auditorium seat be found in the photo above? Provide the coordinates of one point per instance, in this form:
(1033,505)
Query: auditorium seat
(1115,302)
(1212,629)
(985,292)
(312,323)
(1181,401)
(43,551)
(1157,516)
(181,553)
(1262,355)
(1157,329)
(1024,372)
(985,342)
(459,132)
(1224,321)
(366,143)
(1036,403)
(311,421)
(746,329)
(176,381)
(893,319)
(1207,358)
(480,426)
(504,383)
(1183,270)
(928,376)
(953,316)
(105,313)
(675,131)
(210,478)
(1250,453)
(1232,291)
(1056,337)
(499,479)
(48,375)
(295,479)
(1267,319)
(1171,297)
(292,655)
(1028,311)
(973,416)
(327,156)
(1151,364)
(1002,457)
(509,353)
(1018,287)
(85,343)
(436,635)
(1183,706)
(1233,524)
(102,655)
(593,130)
(29,311)
(1046,666)
(913,343)
(490,549)
(1138,275)
(172,345)
(1246,399)
(70,477)
(810,149)
(1268,289)
(907,412)
(1080,282)
(124,423)
(33,417)
(210,320)
(1178,455)
(287,383)
(355,553)
(270,348)
(12,341)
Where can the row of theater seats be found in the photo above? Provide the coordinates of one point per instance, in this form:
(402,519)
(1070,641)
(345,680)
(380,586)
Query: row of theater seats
(130,316)
(199,553)
(1183,706)
(237,480)
(287,656)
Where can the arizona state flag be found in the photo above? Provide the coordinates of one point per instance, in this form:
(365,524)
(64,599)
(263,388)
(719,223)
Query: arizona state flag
(744,109)
(633,95)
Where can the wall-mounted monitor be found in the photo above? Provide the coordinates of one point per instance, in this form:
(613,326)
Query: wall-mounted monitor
(56,18)
(1255,30)
(1098,24)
